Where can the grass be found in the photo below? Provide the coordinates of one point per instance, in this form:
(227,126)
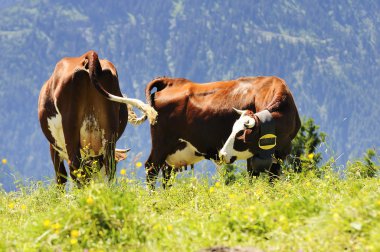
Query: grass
(300,212)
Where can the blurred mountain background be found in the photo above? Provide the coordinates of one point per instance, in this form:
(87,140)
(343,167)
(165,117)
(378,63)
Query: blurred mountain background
(327,51)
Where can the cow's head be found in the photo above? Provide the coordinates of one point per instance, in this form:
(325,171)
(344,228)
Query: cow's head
(239,144)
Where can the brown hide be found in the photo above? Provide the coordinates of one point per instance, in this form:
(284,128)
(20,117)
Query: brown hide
(203,115)
(70,90)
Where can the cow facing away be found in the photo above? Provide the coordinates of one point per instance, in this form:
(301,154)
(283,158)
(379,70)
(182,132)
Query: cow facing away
(195,120)
(79,119)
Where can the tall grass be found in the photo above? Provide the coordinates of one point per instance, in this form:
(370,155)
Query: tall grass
(299,212)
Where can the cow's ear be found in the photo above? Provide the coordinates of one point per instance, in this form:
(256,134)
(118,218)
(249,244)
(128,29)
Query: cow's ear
(248,136)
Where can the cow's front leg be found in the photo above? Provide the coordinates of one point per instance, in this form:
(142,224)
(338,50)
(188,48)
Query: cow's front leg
(251,170)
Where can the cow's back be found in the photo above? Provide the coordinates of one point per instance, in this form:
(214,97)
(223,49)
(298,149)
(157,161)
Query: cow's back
(203,113)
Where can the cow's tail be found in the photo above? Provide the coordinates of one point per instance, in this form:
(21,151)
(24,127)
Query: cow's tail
(94,71)
(132,116)
(159,84)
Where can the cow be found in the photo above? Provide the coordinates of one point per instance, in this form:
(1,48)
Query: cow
(195,123)
(79,118)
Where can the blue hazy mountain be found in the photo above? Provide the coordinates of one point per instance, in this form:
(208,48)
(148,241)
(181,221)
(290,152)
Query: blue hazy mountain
(327,51)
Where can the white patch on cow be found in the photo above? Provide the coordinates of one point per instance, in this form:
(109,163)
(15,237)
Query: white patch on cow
(228,151)
(184,157)
(91,137)
(56,130)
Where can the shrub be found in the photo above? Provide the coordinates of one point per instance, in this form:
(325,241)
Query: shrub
(365,168)
(304,155)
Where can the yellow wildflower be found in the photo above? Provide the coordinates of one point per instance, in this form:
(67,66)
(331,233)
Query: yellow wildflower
(11,205)
(4,161)
(310,156)
(73,241)
(232,196)
(74,233)
(212,189)
(46,223)
(90,201)
(23,207)
(123,172)
(217,184)
(170,228)
(56,226)
(138,164)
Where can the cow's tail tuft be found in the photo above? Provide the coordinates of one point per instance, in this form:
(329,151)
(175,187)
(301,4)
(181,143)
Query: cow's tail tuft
(132,116)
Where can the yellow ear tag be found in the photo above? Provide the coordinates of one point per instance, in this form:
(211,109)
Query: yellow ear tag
(267,141)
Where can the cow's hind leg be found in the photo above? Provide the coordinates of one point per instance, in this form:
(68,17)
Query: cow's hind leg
(151,171)
(59,167)
(152,168)
(167,173)
(77,172)
(109,161)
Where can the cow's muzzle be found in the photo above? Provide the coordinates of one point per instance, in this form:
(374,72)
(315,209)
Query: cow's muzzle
(224,158)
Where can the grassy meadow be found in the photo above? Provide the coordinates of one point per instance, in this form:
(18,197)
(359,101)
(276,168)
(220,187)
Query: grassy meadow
(306,211)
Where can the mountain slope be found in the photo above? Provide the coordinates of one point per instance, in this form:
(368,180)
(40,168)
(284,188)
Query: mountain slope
(327,52)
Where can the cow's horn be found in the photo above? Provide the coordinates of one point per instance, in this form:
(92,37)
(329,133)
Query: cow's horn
(240,112)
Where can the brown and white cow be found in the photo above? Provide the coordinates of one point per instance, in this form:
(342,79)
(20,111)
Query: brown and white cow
(78,117)
(195,122)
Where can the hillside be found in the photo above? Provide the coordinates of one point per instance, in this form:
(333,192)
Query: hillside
(327,52)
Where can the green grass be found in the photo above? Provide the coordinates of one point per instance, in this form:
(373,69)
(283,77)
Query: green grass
(297,213)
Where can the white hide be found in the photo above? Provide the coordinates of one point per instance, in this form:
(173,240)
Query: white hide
(91,136)
(56,129)
(184,157)
(228,151)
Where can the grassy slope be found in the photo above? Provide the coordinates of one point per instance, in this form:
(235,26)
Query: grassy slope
(297,213)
